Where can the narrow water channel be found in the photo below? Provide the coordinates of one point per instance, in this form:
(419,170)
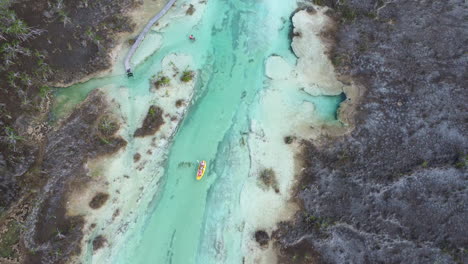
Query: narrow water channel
(191,221)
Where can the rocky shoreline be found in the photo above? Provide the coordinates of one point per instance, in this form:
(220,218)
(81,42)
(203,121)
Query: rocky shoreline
(276,149)
(51,235)
(393,190)
(37,170)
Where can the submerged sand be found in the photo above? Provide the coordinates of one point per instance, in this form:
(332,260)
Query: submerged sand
(280,111)
(132,177)
(131,185)
(282,114)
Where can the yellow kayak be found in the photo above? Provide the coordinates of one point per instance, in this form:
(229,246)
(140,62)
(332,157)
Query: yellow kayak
(201,170)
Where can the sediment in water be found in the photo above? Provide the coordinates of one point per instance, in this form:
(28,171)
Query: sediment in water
(131,183)
(286,110)
(131,188)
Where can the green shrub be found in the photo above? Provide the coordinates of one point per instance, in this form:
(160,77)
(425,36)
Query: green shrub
(288,139)
(44,91)
(152,111)
(187,76)
(162,81)
(318,222)
(9,239)
(107,126)
(104,141)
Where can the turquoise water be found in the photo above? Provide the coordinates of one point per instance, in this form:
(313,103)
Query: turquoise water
(238,48)
(190,221)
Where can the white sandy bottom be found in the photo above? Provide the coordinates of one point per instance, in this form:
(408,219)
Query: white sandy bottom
(132,185)
(282,112)
(279,110)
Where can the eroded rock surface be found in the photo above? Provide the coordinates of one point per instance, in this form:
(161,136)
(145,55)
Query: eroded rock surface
(393,191)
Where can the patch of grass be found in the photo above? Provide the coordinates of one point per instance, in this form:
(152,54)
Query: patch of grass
(317,222)
(63,16)
(162,81)
(93,36)
(44,91)
(107,126)
(9,239)
(104,141)
(187,76)
(288,139)
(152,111)
(25,79)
